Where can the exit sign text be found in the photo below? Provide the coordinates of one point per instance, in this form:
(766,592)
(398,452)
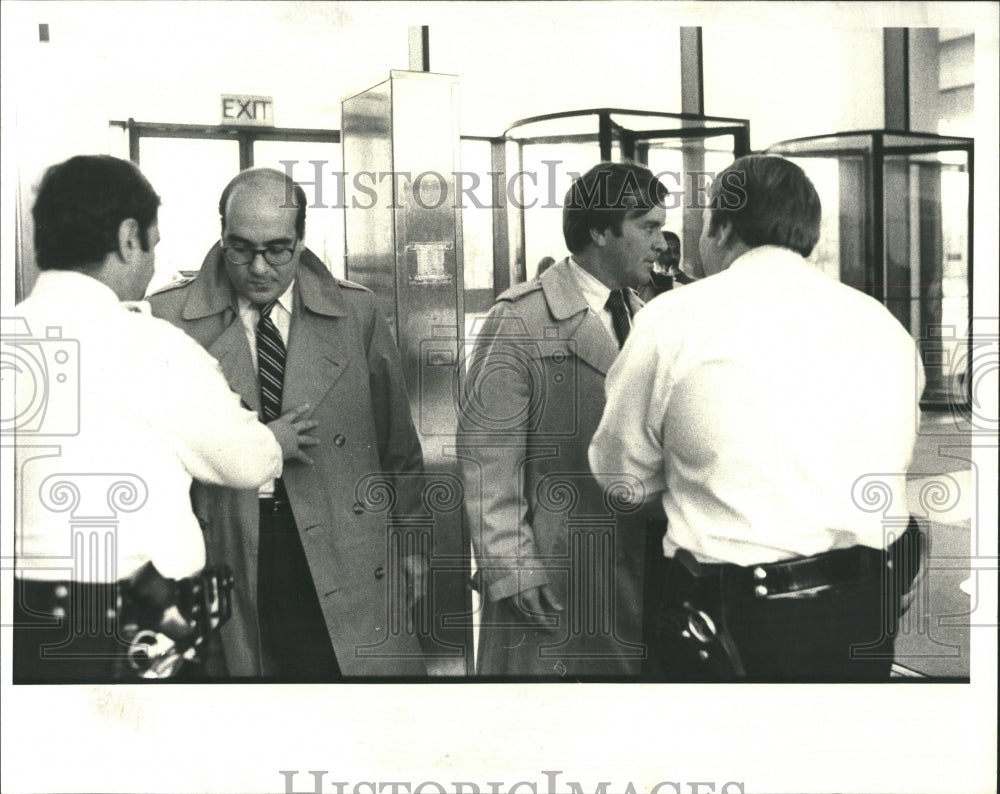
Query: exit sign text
(243,109)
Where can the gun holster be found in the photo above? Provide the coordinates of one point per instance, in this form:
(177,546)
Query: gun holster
(699,628)
(167,621)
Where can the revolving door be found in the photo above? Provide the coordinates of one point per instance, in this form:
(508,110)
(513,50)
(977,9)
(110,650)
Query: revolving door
(545,153)
(897,224)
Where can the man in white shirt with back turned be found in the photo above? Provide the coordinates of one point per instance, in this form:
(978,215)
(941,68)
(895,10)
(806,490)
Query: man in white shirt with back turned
(115,414)
(759,404)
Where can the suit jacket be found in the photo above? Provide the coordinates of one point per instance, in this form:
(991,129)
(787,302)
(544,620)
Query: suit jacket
(341,359)
(533,399)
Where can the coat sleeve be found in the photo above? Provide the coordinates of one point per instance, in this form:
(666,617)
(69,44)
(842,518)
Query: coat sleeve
(495,413)
(399,450)
(216,439)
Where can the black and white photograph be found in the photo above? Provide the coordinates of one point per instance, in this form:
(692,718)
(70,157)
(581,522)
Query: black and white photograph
(499,397)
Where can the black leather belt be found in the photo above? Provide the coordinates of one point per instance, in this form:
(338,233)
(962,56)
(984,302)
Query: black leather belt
(711,582)
(274,507)
(162,622)
(49,599)
(277,504)
(52,599)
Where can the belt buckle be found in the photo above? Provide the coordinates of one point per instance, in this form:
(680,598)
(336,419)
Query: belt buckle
(273,505)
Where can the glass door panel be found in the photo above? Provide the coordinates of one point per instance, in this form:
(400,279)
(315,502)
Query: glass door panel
(189,174)
(926,262)
(548,171)
(320,163)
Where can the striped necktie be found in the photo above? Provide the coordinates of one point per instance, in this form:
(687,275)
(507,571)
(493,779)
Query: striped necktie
(621,317)
(270,364)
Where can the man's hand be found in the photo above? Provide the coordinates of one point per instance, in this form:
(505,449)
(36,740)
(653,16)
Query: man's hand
(539,606)
(290,432)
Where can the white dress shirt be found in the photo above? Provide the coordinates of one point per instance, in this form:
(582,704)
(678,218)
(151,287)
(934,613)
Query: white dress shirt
(281,316)
(116,412)
(764,402)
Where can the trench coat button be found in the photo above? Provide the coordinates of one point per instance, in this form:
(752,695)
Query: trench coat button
(61,591)
(759,573)
(339,440)
(358,508)
(380,572)
(58,612)
(760,591)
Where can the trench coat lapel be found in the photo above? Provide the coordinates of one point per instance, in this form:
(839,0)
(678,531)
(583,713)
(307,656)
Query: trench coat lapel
(315,359)
(591,339)
(318,338)
(233,354)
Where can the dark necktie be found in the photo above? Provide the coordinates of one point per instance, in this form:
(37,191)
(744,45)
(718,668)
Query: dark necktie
(270,364)
(621,317)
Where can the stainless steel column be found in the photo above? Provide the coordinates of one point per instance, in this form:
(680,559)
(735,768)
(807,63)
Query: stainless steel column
(403,228)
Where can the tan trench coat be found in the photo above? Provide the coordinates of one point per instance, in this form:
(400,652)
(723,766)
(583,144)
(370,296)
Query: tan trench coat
(532,402)
(343,362)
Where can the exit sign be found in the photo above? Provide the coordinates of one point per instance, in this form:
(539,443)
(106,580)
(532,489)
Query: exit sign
(248,110)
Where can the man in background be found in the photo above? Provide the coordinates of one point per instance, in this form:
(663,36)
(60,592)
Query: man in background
(560,560)
(756,402)
(317,573)
(666,272)
(115,414)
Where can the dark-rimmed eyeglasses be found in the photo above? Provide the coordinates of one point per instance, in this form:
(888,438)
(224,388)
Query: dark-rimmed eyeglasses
(274,255)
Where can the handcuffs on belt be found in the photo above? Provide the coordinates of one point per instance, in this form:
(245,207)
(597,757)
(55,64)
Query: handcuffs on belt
(166,622)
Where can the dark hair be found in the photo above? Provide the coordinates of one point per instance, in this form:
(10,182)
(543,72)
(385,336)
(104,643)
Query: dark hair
(671,237)
(295,196)
(80,207)
(769,201)
(604,197)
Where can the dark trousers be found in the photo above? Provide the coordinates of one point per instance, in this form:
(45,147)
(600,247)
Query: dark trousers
(845,632)
(292,625)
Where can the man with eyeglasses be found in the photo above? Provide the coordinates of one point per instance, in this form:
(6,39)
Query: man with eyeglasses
(314,577)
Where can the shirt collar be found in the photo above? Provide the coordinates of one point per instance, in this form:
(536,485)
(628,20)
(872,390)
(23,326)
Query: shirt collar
(75,287)
(593,289)
(771,254)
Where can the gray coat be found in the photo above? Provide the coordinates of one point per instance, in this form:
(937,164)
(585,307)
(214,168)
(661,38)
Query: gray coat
(534,397)
(343,362)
